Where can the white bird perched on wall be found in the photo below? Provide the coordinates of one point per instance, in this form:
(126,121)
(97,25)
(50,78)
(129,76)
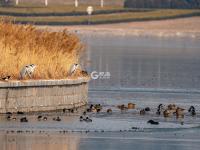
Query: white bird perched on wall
(73,69)
(27,70)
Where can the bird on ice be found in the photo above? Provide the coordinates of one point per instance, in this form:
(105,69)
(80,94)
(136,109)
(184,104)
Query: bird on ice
(27,70)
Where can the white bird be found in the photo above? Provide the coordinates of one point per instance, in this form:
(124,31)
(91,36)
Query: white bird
(27,70)
(73,69)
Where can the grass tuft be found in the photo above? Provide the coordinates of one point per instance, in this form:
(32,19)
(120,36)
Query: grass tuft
(52,52)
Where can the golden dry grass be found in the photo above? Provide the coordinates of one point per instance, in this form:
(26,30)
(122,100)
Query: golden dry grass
(52,52)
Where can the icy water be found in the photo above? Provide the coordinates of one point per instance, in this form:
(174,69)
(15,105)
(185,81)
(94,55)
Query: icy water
(145,71)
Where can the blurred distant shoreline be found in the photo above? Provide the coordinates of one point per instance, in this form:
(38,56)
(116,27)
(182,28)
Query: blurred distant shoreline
(182,27)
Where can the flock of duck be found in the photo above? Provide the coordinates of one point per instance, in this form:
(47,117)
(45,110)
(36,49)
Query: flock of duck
(162,110)
(12,116)
(167,111)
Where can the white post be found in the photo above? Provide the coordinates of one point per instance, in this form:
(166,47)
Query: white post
(102,3)
(89,11)
(17,2)
(46,2)
(76,3)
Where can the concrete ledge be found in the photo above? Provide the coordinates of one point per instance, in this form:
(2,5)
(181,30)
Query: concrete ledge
(28,83)
(43,95)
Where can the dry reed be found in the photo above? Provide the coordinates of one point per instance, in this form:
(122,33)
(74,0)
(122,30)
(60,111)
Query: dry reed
(52,52)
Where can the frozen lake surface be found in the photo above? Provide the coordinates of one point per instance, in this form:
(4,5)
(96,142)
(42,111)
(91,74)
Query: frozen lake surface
(145,71)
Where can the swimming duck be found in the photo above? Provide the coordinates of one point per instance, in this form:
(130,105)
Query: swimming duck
(57,119)
(81,118)
(160,109)
(91,108)
(84,113)
(131,106)
(172,108)
(153,122)
(167,113)
(8,113)
(64,110)
(10,117)
(109,111)
(122,107)
(24,119)
(45,118)
(147,109)
(87,119)
(98,107)
(192,110)
(142,112)
(179,112)
(14,118)
(39,118)
(20,113)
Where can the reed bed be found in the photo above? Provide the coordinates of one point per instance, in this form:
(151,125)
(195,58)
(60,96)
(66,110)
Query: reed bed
(52,52)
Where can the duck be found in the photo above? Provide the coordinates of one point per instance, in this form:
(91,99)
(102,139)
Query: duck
(192,110)
(10,117)
(147,109)
(84,113)
(142,112)
(64,110)
(160,109)
(122,107)
(8,113)
(87,119)
(23,119)
(45,118)
(91,108)
(81,118)
(20,113)
(153,122)
(172,107)
(98,107)
(131,106)
(71,110)
(109,111)
(179,112)
(57,119)
(6,78)
(39,118)
(14,118)
(167,113)
(84,73)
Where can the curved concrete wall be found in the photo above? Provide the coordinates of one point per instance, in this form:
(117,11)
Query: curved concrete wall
(42,95)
